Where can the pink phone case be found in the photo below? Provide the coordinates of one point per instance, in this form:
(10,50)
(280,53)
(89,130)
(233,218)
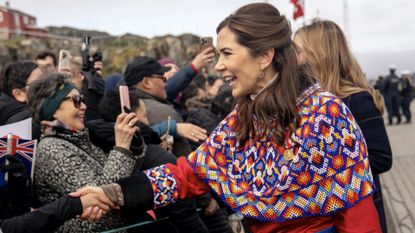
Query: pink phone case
(124,97)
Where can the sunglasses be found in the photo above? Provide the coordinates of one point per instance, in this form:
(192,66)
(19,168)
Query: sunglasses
(77,100)
(160,77)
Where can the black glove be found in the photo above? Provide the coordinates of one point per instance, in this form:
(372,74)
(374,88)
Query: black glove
(18,191)
(15,165)
(17,178)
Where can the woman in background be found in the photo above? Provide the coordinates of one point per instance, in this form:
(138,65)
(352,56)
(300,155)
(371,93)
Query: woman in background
(322,45)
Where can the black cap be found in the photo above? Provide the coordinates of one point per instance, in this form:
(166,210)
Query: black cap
(143,67)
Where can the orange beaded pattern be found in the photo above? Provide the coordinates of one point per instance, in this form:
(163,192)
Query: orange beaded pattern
(323,167)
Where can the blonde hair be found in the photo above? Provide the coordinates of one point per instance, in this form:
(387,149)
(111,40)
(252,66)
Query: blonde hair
(335,68)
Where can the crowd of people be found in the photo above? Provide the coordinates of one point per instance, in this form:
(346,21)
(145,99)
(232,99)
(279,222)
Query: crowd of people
(287,136)
(397,93)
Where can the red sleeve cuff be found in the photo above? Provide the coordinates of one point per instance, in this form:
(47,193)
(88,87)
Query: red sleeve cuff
(188,183)
(194,68)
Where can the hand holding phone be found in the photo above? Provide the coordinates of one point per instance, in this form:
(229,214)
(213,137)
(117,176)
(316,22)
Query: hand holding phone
(124,98)
(64,61)
(206,42)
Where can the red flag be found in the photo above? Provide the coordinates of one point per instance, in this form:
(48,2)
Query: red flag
(299,8)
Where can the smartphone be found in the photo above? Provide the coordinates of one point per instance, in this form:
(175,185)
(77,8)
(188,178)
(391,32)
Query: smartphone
(64,61)
(124,98)
(205,42)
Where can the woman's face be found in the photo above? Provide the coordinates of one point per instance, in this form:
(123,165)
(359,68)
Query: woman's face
(69,114)
(237,65)
(301,56)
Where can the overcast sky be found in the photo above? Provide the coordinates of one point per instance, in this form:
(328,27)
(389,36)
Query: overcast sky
(375,25)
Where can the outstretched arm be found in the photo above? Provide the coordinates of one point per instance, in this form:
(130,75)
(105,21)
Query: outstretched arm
(51,216)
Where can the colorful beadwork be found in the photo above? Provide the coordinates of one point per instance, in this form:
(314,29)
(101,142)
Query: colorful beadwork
(325,169)
(164,185)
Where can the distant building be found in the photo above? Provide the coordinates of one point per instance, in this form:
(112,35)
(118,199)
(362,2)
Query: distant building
(16,23)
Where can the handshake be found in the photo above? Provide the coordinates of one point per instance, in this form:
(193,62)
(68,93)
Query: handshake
(96,202)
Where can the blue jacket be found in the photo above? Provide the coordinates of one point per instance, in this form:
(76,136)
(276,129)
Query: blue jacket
(161,128)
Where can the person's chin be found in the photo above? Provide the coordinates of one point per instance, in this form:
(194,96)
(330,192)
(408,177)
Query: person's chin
(235,93)
(80,126)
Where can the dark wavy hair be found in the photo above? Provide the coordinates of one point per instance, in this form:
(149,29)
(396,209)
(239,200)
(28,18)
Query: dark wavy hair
(260,27)
(45,87)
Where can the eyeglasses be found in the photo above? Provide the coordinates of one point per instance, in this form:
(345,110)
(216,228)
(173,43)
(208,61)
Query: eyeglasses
(77,100)
(160,77)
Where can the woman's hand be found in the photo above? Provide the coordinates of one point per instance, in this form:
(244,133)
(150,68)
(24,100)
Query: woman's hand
(125,129)
(95,203)
(191,132)
(167,142)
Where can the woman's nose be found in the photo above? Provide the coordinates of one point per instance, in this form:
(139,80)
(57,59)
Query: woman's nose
(219,65)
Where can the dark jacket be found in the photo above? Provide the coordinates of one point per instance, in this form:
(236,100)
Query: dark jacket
(45,219)
(158,111)
(180,81)
(93,88)
(392,85)
(12,111)
(370,121)
(204,119)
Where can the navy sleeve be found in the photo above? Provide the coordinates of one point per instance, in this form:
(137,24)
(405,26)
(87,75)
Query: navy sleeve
(44,219)
(370,121)
(179,82)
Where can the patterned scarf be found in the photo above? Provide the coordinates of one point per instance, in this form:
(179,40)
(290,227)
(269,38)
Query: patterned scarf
(323,167)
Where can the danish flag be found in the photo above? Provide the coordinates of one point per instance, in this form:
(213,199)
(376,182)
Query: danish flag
(298,8)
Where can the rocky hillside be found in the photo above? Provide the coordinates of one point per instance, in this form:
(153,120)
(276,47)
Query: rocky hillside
(117,51)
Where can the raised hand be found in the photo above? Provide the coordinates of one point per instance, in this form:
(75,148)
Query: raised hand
(125,129)
(204,58)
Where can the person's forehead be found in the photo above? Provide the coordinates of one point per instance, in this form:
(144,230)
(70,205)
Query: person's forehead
(36,73)
(47,60)
(73,92)
(226,38)
(171,65)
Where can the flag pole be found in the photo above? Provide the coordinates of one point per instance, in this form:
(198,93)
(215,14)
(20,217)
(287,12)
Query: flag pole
(303,1)
(346,23)
(9,151)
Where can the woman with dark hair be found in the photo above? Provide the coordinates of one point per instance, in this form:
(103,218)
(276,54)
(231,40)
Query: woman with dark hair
(65,158)
(289,157)
(323,45)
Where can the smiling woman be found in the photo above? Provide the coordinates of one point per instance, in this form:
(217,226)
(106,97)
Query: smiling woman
(289,157)
(66,159)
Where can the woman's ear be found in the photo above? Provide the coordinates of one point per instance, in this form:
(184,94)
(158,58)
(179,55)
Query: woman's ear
(19,95)
(267,58)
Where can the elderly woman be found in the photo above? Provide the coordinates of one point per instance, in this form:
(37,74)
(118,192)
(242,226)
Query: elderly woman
(66,159)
